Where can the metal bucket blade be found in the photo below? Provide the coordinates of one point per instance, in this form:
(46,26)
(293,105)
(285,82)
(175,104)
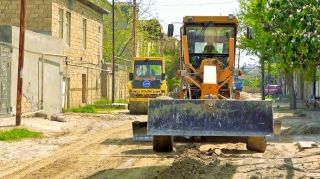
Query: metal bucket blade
(138,107)
(187,117)
(139,130)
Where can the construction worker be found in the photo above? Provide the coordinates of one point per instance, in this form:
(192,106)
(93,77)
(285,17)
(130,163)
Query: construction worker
(150,72)
(209,49)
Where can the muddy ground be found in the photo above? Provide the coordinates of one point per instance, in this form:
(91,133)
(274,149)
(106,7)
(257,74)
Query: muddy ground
(101,146)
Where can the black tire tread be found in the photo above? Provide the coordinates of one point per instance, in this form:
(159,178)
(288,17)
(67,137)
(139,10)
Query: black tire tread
(257,143)
(162,143)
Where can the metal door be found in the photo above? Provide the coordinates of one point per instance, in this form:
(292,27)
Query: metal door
(5,57)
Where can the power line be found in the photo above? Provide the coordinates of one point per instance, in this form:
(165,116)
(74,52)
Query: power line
(160,20)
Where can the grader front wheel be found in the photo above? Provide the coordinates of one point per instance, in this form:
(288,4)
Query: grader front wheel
(257,143)
(162,143)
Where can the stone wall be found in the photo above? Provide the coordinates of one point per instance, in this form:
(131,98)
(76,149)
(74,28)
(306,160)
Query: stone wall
(80,57)
(121,82)
(38,14)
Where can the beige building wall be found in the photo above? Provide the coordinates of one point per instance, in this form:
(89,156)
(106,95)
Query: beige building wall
(83,84)
(38,14)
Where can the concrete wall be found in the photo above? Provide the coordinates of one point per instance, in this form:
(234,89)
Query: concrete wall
(121,82)
(35,45)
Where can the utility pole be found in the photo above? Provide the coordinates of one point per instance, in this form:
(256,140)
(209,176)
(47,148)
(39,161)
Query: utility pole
(262,62)
(20,63)
(239,57)
(113,70)
(269,78)
(134,29)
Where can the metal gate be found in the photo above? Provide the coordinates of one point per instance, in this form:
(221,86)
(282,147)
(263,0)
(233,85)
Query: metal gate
(5,71)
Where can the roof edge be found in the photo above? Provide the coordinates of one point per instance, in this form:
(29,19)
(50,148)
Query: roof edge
(95,6)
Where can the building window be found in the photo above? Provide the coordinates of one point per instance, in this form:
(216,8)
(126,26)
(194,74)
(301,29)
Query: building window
(60,23)
(84,33)
(68,24)
(84,88)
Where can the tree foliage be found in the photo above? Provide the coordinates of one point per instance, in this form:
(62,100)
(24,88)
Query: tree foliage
(287,30)
(171,57)
(150,37)
(123,22)
(295,32)
(252,14)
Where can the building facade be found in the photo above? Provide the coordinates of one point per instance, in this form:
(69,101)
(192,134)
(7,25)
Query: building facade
(79,23)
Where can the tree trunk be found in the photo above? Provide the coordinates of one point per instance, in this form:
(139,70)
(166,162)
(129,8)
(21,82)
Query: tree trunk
(285,86)
(292,94)
(301,90)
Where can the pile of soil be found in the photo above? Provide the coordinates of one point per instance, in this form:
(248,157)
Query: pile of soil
(196,164)
(303,129)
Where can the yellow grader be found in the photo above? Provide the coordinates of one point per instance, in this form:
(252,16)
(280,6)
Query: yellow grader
(208,108)
(146,81)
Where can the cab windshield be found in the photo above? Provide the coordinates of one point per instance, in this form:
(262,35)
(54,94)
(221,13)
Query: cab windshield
(150,69)
(209,38)
(209,41)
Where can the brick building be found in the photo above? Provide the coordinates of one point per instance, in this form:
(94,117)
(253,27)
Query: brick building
(80,24)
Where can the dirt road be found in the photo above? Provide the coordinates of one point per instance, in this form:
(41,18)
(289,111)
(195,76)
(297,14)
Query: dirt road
(100,146)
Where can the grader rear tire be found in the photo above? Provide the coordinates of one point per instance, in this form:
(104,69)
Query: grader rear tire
(257,143)
(162,143)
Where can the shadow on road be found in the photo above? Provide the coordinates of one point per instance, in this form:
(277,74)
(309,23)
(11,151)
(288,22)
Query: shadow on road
(149,152)
(236,152)
(124,141)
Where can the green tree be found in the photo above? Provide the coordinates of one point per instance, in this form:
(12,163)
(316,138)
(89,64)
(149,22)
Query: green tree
(287,30)
(150,37)
(123,27)
(252,14)
(171,57)
(295,27)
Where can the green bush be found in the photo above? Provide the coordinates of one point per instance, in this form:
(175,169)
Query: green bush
(123,101)
(85,109)
(269,97)
(103,101)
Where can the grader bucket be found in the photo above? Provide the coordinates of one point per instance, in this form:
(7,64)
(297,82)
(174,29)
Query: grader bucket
(207,117)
